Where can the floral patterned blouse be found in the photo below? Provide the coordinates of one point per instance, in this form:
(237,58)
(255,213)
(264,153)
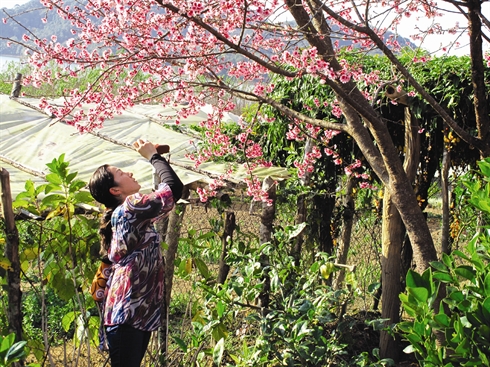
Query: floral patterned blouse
(136,286)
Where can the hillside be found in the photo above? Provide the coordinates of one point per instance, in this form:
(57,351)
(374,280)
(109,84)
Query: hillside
(28,17)
(28,21)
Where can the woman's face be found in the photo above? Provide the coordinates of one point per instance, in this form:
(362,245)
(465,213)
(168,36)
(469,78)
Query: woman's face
(125,183)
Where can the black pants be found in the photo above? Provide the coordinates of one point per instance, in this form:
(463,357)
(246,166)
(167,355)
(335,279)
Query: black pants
(127,346)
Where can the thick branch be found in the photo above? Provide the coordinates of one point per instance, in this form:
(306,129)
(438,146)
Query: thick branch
(481,145)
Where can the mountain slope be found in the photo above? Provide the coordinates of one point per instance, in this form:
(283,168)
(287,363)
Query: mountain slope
(29,21)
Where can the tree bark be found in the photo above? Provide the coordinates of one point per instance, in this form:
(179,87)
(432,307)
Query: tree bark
(14,314)
(227,238)
(446,198)
(345,236)
(477,69)
(172,239)
(392,239)
(301,213)
(17,86)
(265,235)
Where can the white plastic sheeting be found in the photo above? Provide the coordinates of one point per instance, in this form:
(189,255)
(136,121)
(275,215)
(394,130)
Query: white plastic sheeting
(29,140)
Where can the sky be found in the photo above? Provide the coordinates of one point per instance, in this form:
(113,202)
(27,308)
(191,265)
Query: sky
(432,43)
(12,3)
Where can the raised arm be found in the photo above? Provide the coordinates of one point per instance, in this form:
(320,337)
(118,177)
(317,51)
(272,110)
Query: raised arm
(162,167)
(167,175)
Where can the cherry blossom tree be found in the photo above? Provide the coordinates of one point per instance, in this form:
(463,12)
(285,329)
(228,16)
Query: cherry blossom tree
(221,50)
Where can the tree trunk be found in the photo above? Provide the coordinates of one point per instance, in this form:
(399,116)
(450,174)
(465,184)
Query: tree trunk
(17,86)
(392,239)
(324,205)
(14,315)
(446,198)
(172,239)
(301,213)
(227,238)
(477,69)
(265,235)
(345,236)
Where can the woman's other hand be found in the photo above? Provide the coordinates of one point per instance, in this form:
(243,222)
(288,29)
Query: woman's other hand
(145,148)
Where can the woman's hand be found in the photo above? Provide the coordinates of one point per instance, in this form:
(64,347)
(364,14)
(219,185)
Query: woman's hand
(145,148)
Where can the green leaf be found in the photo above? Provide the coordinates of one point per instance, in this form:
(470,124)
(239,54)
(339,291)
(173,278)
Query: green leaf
(457,295)
(420,294)
(486,309)
(6,342)
(182,345)
(67,320)
(219,331)
(448,260)
(466,272)
(84,197)
(463,347)
(70,177)
(202,267)
(53,178)
(220,308)
(415,280)
(443,277)
(460,254)
(413,338)
(442,320)
(437,265)
(218,350)
(16,351)
(373,287)
(486,284)
(52,199)
(484,167)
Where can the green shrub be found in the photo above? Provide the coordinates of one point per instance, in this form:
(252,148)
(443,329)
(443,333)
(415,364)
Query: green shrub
(55,310)
(304,323)
(456,331)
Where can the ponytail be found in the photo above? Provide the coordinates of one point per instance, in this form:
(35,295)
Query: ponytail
(105,232)
(100,183)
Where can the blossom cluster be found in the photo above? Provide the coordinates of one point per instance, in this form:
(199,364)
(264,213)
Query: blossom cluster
(174,53)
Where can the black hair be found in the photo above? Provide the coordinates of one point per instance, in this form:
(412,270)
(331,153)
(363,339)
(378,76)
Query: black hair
(100,183)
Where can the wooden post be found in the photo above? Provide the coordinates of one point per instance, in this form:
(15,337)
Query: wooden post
(12,253)
(17,86)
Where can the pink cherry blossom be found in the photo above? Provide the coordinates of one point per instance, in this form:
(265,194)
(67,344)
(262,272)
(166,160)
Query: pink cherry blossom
(177,52)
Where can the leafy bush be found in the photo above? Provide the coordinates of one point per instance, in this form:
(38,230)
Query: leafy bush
(456,331)
(303,324)
(55,309)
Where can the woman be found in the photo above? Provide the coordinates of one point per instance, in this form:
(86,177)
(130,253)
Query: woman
(134,290)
